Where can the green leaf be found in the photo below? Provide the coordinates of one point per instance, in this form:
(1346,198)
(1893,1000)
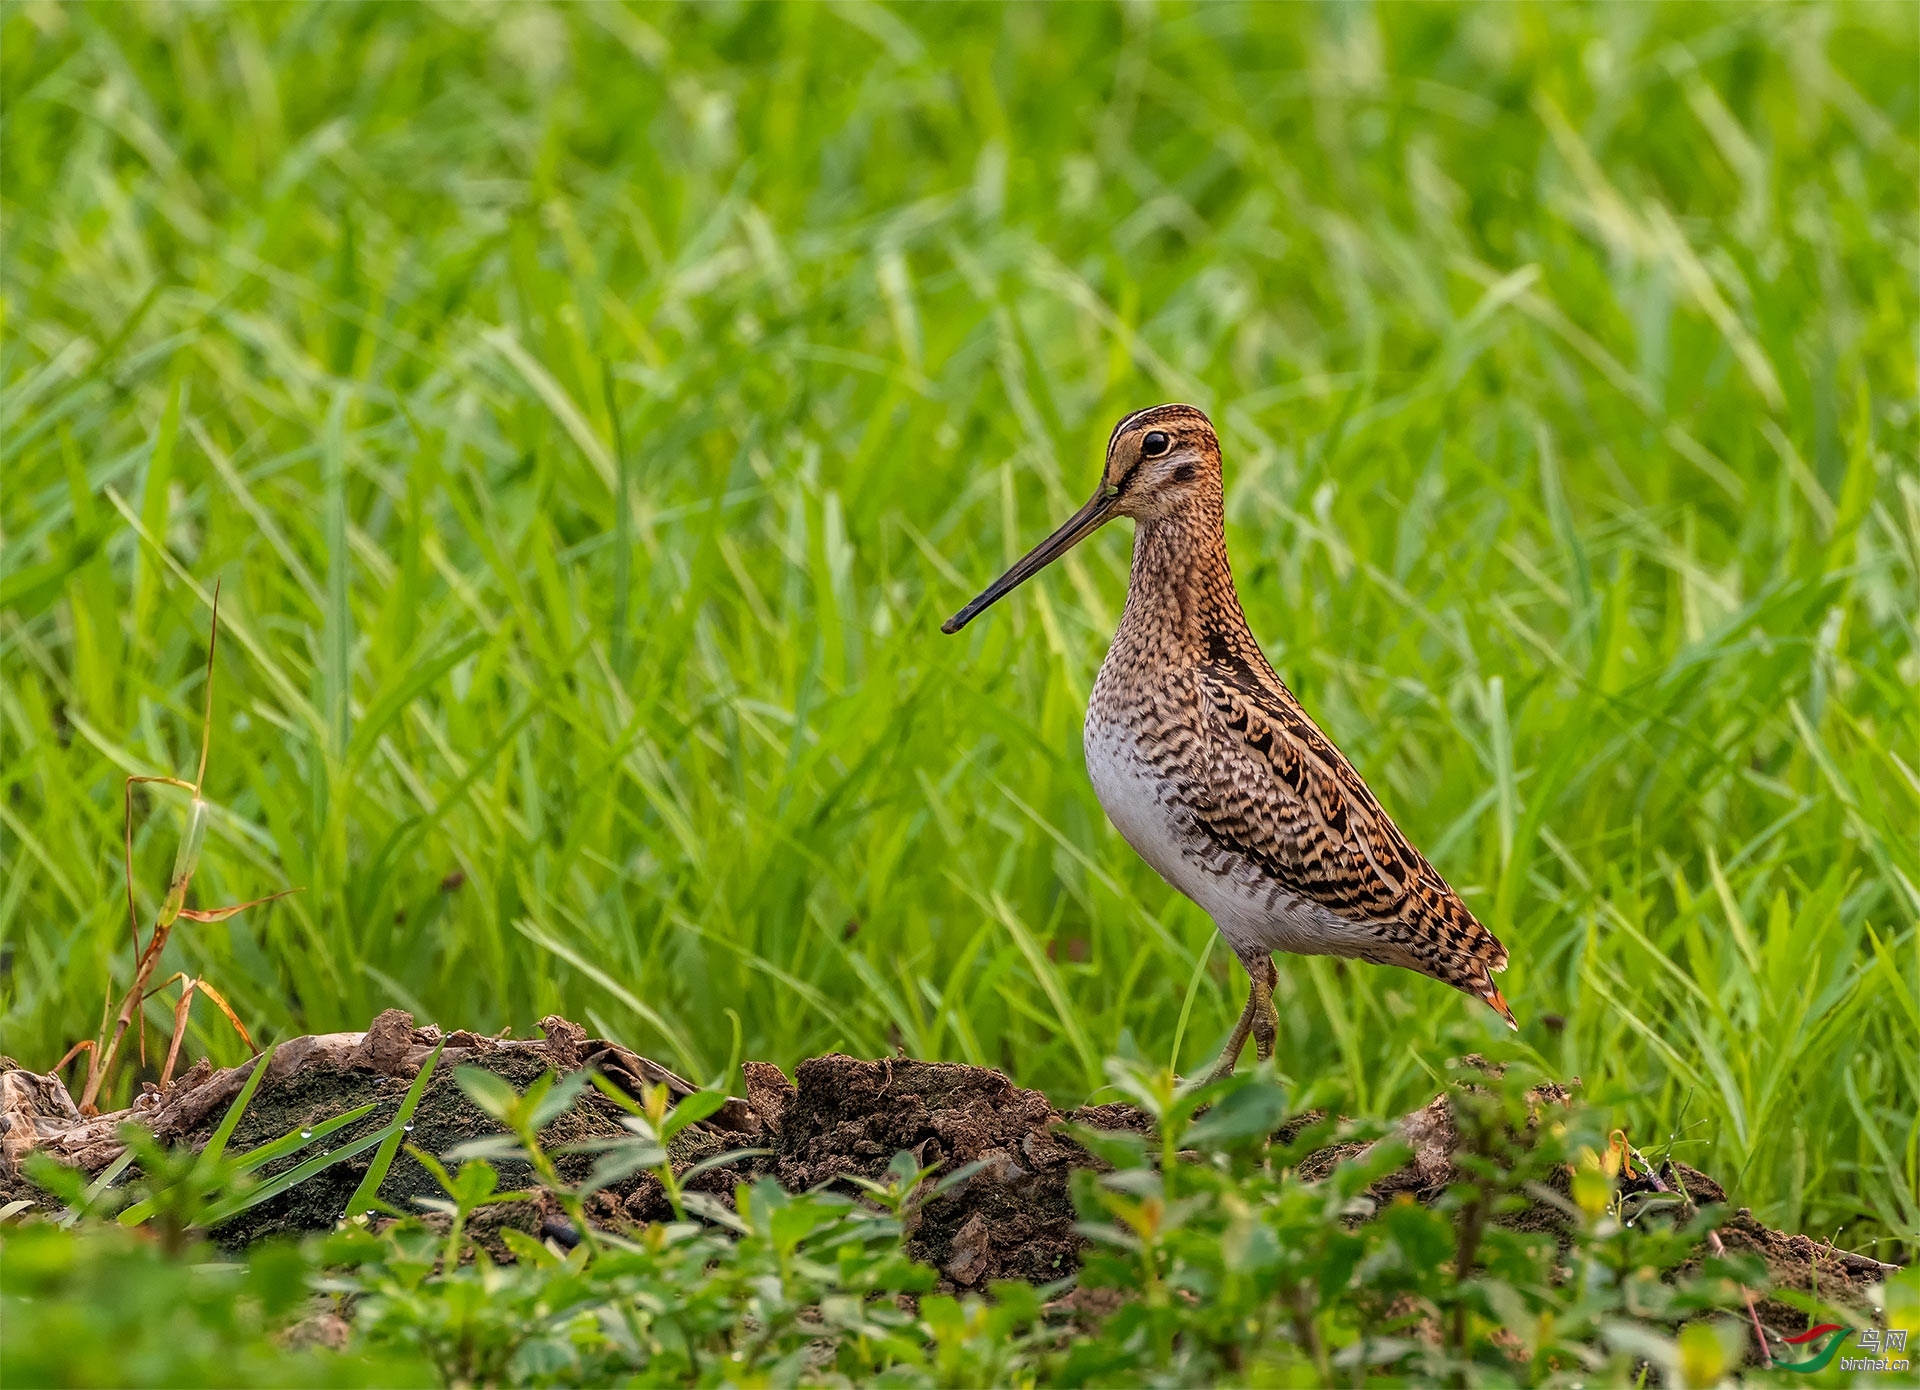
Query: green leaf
(393,701)
(720,1161)
(155,503)
(710,1208)
(557,1100)
(435,1168)
(949,1181)
(105,1180)
(621,1162)
(487,1091)
(29,589)
(608,1088)
(58,1179)
(491,1146)
(1252,1112)
(1120,1148)
(693,1109)
(528,1250)
(474,1183)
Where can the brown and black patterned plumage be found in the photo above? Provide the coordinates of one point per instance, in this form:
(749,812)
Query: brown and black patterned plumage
(1210,768)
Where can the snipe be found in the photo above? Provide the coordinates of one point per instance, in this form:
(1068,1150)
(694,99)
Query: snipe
(1209,767)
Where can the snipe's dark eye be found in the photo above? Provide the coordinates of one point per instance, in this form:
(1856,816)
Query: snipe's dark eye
(1155,444)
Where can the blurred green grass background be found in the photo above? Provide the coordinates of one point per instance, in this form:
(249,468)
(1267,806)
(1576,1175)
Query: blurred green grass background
(592,411)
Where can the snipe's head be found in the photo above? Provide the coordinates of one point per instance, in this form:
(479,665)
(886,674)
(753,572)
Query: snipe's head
(1161,462)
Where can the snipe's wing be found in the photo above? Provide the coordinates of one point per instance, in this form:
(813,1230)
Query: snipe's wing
(1284,797)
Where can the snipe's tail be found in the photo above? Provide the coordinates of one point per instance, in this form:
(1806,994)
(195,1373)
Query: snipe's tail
(1498,1001)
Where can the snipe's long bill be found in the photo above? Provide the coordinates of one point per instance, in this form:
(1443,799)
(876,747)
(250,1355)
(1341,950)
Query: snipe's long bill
(1210,768)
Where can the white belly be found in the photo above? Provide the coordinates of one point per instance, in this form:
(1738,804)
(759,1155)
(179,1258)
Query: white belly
(1255,914)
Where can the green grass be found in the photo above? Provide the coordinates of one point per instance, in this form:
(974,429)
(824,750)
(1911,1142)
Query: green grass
(592,413)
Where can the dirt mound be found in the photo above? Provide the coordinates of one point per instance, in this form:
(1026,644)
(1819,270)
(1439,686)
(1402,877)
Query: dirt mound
(1012,1220)
(838,1117)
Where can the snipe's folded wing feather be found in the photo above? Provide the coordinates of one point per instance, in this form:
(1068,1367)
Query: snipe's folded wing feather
(1283,796)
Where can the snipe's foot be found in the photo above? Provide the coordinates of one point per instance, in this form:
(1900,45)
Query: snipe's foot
(1266,1022)
(1259,1018)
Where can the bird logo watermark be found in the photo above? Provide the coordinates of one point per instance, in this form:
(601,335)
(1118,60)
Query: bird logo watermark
(1878,1348)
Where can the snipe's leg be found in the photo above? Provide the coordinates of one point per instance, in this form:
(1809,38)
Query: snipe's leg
(1258,1018)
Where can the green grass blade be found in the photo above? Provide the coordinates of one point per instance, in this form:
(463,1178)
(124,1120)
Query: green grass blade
(217,1144)
(368,1192)
(293,1177)
(257,1158)
(112,1171)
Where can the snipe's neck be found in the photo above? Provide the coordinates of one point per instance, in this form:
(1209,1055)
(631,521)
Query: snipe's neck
(1180,595)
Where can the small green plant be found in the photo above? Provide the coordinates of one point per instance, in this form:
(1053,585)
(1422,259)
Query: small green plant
(524,1115)
(655,1124)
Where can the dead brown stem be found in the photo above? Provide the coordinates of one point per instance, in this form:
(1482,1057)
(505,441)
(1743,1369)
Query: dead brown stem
(129,1004)
(84,1045)
(180,1012)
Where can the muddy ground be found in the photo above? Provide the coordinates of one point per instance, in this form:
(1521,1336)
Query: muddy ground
(836,1116)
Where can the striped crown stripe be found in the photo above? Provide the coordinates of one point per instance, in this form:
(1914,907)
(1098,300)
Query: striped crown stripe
(1140,415)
